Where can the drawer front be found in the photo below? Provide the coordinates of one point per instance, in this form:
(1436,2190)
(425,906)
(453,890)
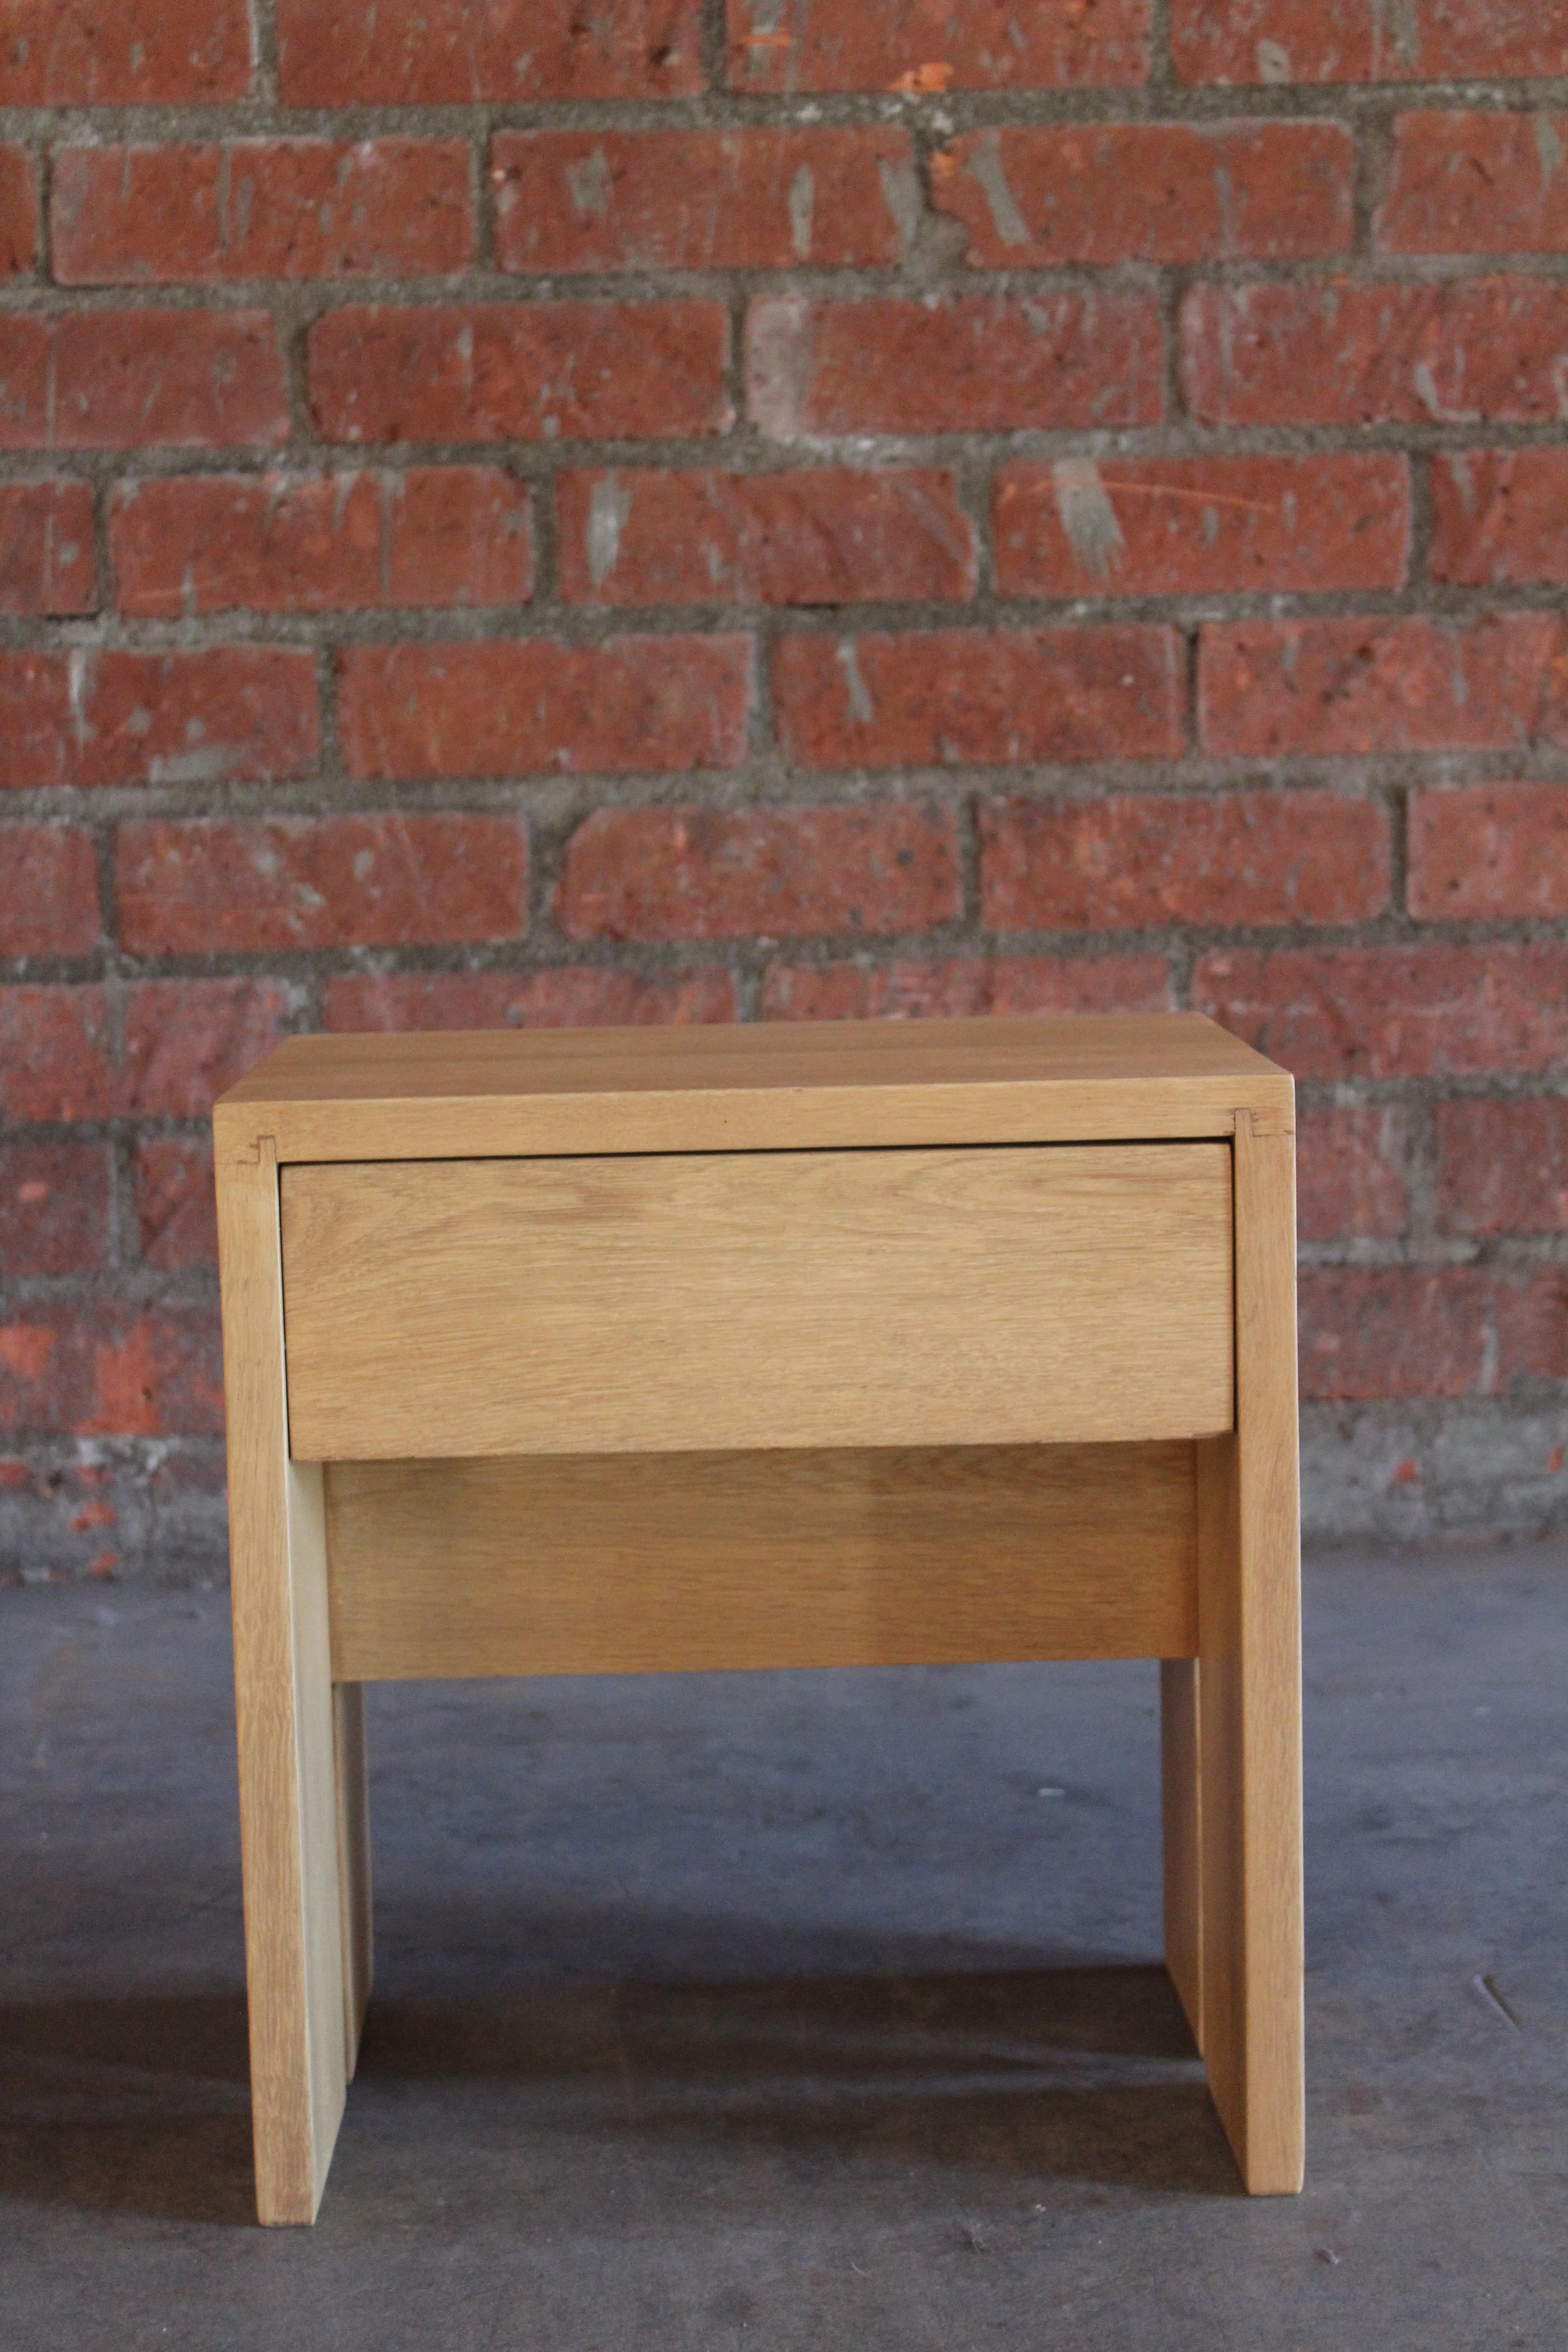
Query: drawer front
(823,1299)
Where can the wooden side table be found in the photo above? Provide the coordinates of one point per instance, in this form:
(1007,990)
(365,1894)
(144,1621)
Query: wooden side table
(841,1345)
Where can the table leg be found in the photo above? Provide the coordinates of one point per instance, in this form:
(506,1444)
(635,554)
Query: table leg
(353,1862)
(1181,1784)
(1249,1703)
(288,1780)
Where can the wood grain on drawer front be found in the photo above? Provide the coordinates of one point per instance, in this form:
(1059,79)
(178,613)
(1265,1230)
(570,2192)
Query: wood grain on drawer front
(823,1299)
(663,1564)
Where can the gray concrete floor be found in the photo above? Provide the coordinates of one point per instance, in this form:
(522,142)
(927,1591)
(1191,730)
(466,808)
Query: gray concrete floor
(795,2012)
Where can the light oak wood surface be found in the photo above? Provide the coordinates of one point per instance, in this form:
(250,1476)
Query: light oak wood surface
(727,1300)
(658,1563)
(1249,1694)
(753,1086)
(288,1788)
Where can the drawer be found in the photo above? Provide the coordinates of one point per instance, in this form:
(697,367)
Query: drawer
(645,1304)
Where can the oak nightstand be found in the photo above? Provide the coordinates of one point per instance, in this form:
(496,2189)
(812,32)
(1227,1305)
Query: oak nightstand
(860,1344)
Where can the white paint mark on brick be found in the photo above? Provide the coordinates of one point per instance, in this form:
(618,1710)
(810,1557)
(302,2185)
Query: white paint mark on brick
(985,171)
(779,366)
(767,34)
(590,184)
(1431,399)
(1273,63)
(1464,480)
(608,507)
(1491,1358)
(76,689)
(1087,515)
(860,706)
(1405,33)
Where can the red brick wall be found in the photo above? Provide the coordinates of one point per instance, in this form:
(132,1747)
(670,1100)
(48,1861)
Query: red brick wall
(520,511)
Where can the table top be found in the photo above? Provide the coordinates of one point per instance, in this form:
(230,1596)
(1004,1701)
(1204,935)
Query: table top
(750,1086)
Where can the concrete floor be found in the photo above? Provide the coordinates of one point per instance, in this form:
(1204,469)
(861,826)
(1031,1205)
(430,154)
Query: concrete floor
(795,2012)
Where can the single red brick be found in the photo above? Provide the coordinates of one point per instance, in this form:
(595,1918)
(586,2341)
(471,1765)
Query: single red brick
(773,873)
(434,535)
(1141,859)
(513,52)
(520,708)
(176,1213)
(1482,853)
(1350,689)
(570,996)
(1053,362)
(819,535)
(1476,184)
(947,696)
(1201,526)
(141,380)
(964,985)
(48,891)
(18,209)
(115,1370)
(1430,1012)
(107,716)
(186,1041)
(938,45)
(122,53)
(703,199)
(1502,1167)
(1360,40)
(47,563)
(1376,352)
(55,1207)
(1419,1331)
(1351,1172)
(1036,195)
(521,371)
(217,887)
(260,208)
(57,1057)
(1500,518)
